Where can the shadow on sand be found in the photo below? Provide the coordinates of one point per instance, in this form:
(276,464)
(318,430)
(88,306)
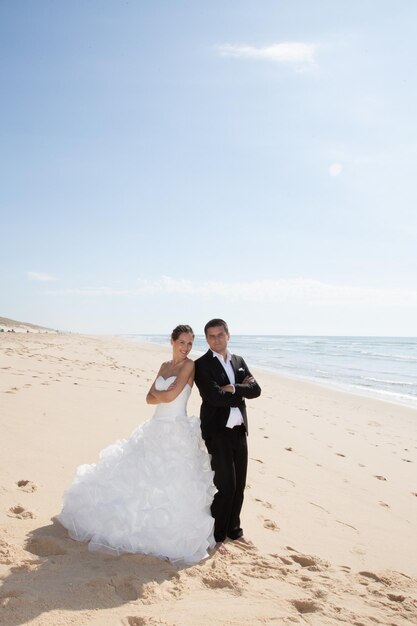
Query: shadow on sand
(58,574)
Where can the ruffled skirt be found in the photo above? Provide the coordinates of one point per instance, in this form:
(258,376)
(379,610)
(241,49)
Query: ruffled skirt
(150,493)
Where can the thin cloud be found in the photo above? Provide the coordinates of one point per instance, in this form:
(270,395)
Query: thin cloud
(299,54)
(335,169)
(301,290)
(40,276)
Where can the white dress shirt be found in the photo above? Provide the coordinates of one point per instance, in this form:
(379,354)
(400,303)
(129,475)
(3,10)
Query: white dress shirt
(235,417)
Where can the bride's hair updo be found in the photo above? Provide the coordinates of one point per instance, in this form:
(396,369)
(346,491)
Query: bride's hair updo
(181,328)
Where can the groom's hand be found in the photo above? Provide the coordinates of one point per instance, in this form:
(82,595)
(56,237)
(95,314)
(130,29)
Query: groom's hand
(248,380)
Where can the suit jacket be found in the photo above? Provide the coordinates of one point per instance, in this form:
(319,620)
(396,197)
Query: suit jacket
(210,375)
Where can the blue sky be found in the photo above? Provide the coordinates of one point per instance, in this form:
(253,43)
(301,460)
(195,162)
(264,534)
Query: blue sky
(167,162)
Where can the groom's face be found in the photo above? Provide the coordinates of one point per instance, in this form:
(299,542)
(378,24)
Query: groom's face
(217,339)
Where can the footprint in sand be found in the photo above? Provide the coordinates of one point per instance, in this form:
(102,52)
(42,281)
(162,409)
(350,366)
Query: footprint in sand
(20,512)
(338,521)
(12,390)
(27,485)
(406,460)
(394,597)
(306,606)
(266,504)
(288,480)
(387,506)
(345,568)
(270,524)
(358,549)
(304,560)
(379,477)
(319,507)
(371,576)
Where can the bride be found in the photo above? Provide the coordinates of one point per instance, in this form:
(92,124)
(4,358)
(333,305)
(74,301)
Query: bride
(150,493)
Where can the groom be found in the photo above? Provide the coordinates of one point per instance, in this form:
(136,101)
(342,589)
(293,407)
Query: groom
(224,382)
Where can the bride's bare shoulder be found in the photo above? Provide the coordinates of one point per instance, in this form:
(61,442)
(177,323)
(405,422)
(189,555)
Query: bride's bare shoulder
(165,366)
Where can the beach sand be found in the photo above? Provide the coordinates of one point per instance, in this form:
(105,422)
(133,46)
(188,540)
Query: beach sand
(330,505)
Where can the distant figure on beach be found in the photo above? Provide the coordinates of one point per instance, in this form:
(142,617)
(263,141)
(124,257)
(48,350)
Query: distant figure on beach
(224,381)
(150,493)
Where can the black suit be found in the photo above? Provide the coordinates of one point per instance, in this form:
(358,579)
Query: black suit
(228,447)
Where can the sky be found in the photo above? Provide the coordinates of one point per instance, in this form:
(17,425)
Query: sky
(166,162)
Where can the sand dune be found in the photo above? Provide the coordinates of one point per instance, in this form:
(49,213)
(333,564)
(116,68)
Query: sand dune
(331,502)
(8,325)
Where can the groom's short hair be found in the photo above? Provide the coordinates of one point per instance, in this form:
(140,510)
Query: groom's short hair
(216,322)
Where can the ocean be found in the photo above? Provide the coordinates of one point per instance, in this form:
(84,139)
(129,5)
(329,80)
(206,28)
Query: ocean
(382,367)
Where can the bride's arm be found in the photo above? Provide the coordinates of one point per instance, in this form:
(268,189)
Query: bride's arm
(150,398)
(186,374)
(151,395)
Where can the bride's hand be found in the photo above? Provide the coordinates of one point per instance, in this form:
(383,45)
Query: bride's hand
(172,385)
(229,388)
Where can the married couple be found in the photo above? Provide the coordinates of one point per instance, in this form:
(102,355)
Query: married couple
(165,491)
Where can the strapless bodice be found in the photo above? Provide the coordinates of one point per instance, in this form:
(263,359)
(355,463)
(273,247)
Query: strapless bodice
(176,408)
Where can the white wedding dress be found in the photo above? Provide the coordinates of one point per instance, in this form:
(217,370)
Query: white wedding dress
(150,493)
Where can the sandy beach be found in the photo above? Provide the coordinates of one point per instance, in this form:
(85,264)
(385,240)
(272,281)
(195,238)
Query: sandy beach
(330,505)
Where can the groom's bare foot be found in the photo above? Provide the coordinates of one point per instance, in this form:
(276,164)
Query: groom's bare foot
(246,542)
(221,548)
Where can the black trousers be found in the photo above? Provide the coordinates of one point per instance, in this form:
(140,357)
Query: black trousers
(229,461)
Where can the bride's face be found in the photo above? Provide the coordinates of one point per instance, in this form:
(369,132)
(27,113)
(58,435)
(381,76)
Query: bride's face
(182,346)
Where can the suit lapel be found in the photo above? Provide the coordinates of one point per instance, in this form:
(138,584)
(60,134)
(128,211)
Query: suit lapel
(235,367)
(218,369)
